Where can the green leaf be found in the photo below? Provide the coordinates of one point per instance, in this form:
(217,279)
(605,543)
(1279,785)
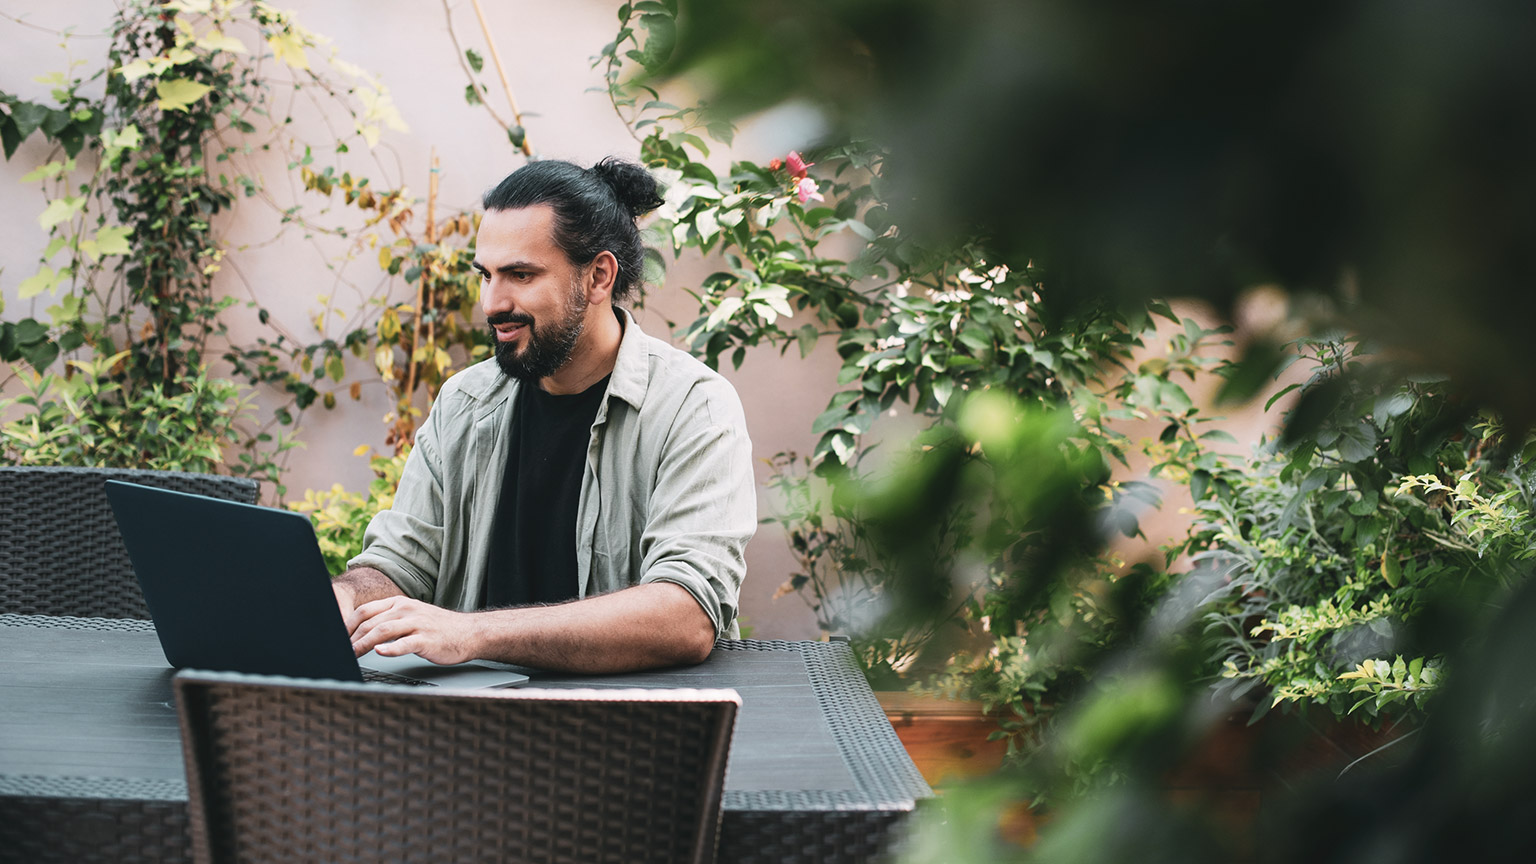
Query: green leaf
(1391,570)
(1357,443)
(41,355)
(476,62)
(806,336)
(1276,398)
(1392,405)
(29,332)
(28,117)
(943,388)
(1199,483)
(832,418)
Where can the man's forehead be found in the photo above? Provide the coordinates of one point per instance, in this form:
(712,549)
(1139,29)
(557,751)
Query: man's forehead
(521,232)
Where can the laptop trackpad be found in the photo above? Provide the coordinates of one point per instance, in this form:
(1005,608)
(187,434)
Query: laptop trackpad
(471,674)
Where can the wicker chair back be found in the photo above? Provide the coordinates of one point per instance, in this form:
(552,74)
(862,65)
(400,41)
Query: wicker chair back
(285,770)
(60,551)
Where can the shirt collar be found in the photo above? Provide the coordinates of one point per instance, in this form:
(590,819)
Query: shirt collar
(632,368)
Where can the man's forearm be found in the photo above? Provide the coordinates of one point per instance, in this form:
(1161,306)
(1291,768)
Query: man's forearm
(648,626)
(361,585)
(643,627)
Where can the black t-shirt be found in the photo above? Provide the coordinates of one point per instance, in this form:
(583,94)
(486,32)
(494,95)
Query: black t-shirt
(533,546)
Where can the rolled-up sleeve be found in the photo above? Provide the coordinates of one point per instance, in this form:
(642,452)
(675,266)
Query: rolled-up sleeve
(703,508)
(405,542)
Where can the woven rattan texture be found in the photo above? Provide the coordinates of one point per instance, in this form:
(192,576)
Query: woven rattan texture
(82,831)
(875,756)
(810,825)
(357,774)
(822,838)
(60,552)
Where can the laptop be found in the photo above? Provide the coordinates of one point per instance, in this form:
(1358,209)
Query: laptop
(239,588)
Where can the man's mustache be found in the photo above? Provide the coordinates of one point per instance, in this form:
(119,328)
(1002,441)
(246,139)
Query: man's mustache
(509,318)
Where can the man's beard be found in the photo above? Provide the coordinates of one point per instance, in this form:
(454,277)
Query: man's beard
(543,349)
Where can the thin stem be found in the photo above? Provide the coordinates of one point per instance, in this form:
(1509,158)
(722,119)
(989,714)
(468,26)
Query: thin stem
(1393,743)
(506,84)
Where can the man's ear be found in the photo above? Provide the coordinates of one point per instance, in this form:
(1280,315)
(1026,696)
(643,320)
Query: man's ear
(602,273)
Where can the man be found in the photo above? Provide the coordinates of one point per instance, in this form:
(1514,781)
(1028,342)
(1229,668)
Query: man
(582,501)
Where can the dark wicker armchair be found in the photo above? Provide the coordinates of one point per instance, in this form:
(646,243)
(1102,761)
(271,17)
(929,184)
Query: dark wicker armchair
(280,769)
(60,551)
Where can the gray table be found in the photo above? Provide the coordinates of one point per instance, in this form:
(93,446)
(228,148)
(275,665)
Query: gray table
(91,770)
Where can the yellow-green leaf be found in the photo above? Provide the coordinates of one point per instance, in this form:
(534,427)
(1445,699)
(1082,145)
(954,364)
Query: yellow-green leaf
(45,279)
(191,7)
(389,326)
(216,40)
(289,48)
(135,70)
(178,93)
(384,361)
(114,240)
(335,368)
(60,210)
(44,172)
(127,137)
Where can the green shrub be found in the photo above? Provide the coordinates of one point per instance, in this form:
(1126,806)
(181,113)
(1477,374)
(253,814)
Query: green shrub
(90,419)
(341,517)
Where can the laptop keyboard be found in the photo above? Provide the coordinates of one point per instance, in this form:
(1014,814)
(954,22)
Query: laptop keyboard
(374,676)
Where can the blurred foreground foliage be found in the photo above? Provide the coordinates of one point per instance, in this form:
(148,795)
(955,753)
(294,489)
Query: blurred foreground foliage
(1370,160)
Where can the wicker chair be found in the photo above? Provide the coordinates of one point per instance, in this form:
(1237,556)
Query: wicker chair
(280,769)
(60,552)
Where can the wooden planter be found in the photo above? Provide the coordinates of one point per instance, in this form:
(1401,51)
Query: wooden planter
(1229,769)
(947,740)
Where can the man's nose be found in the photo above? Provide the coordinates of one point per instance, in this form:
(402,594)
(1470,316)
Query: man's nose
(496,296)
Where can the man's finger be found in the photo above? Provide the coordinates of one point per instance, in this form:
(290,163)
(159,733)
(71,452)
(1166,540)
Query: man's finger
(375,631)
(398,647)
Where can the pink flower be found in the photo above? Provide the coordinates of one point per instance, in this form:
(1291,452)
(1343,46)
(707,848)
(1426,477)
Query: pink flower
(798,166)
(775,164)
(806,190)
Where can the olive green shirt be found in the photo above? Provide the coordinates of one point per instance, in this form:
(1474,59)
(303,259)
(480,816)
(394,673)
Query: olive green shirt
(667,494)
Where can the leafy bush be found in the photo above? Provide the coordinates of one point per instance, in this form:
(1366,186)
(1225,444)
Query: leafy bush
(89,419)
(1326,546)
(341,517)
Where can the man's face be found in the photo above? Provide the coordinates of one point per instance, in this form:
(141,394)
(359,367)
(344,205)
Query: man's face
(533,296)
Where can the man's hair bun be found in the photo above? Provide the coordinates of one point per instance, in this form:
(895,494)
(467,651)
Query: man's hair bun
(632,185)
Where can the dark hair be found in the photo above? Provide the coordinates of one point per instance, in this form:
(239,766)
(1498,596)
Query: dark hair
(595,209)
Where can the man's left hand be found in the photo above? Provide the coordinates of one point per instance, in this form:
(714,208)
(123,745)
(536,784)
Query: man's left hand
(399,625)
